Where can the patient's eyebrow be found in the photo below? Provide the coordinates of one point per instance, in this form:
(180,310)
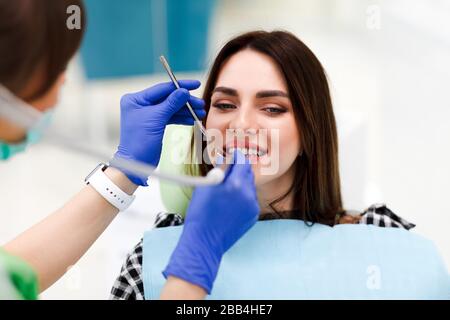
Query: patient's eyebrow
(260,94)
(271,93)
(226,90)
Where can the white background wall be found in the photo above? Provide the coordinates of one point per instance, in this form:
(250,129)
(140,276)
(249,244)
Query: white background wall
(389,71)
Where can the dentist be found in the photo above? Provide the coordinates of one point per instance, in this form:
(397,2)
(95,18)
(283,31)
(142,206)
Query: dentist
(36,47)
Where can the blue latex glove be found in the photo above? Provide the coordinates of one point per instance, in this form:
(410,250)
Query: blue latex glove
(217,217)
(144,116)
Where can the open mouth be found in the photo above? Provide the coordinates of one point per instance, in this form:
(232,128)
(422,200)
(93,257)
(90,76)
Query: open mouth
(250,150)
(247,151)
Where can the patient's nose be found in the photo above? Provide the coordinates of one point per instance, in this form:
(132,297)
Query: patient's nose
(243,123)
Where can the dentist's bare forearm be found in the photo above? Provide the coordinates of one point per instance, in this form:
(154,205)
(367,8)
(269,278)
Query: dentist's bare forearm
(61,239)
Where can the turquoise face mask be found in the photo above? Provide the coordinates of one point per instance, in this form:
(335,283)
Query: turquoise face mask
(19,112)
(7,150)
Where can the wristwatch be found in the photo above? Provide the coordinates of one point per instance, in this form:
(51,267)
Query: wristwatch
(103,185)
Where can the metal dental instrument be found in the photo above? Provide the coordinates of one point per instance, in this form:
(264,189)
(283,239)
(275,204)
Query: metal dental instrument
(177,85)
(24,115)
(175,82)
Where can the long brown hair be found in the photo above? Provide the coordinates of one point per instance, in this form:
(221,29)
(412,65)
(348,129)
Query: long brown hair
(34,34)
(316,187)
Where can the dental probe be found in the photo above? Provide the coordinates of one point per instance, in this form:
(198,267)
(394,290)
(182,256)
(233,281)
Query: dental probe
(166,65)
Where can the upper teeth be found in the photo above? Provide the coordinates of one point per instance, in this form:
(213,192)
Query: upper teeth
(247,151)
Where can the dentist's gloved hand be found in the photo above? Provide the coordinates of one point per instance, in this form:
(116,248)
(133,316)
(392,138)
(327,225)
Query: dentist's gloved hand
(217,217)
(144,116)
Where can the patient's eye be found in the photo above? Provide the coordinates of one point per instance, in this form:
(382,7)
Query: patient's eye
(224,106)
(275,110)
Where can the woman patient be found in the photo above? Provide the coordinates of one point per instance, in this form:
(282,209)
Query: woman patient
(272,81)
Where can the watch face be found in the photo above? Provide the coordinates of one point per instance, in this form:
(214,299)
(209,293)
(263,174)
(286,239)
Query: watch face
(100,165)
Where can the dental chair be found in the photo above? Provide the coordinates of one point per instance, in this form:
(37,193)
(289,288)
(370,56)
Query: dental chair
(287,259)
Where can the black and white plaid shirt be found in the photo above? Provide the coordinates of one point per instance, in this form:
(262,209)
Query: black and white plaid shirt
(129,286)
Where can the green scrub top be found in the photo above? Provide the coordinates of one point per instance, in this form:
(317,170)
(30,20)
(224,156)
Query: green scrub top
(18,280)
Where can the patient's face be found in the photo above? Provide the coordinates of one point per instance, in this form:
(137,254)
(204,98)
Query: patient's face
(250,107)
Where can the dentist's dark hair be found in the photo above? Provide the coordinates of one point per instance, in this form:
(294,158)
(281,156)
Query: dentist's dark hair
(35,41)
(316,187)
